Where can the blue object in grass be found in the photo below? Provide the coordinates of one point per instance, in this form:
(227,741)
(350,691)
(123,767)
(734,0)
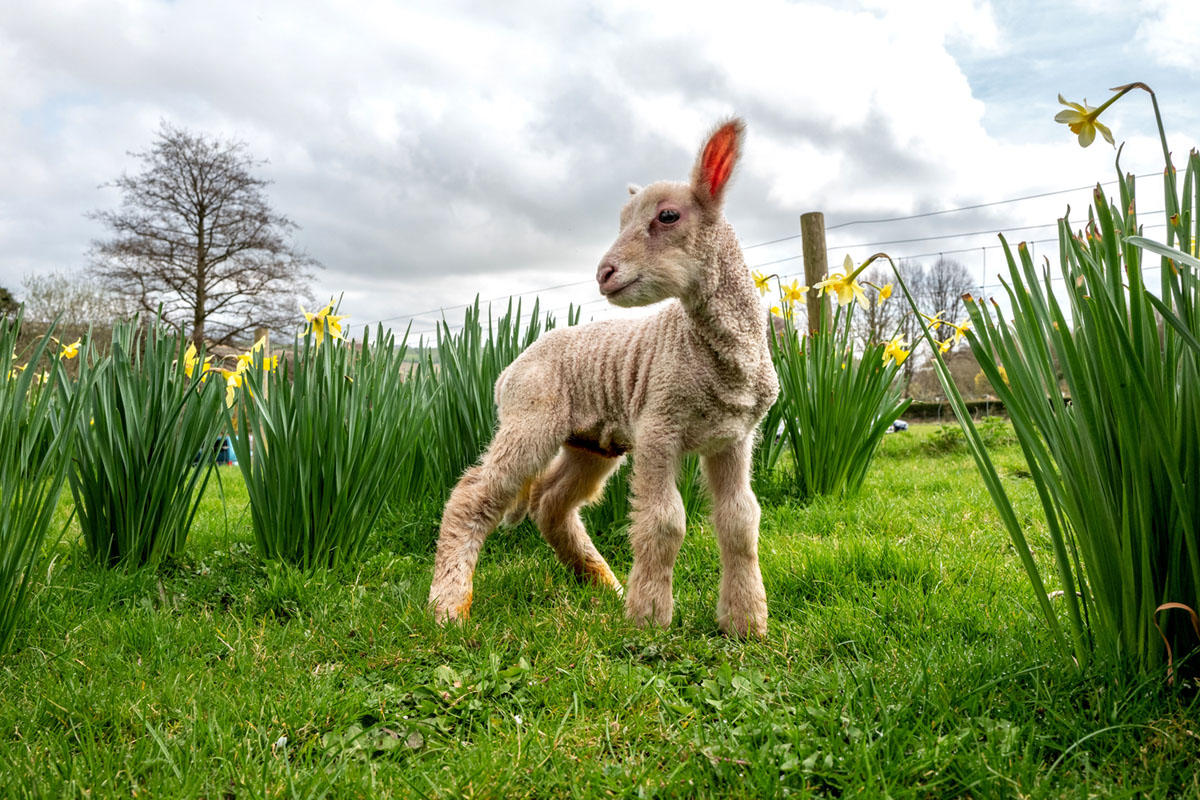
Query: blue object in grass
(223,452)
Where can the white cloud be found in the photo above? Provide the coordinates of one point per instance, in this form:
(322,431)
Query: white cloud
(1169,33)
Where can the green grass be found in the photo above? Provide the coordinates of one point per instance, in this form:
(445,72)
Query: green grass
(905,659)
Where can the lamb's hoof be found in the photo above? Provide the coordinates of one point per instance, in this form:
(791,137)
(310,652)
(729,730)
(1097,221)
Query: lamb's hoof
(744,626)
(599,574)
(446,613)
(646,615)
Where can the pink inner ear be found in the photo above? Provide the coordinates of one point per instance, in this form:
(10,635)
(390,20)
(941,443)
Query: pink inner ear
(718,158)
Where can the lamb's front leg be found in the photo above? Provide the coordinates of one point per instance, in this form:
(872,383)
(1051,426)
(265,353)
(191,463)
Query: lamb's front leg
(742,604)
(656,533)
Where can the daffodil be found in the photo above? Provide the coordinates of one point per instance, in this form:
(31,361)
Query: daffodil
(69,351)
(894,351)
(960,330)
(323,321)
(761,282)
(190,359)
(244,360)
(793,292)
(936,321)
(885,293)
(844,285)
(1081,119)
(776,311)
(233,381)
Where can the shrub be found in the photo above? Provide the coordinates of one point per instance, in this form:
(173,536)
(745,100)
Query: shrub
(145,432)
(993,431)
(834,406)
(1117,469)
(37,441)
(325,441)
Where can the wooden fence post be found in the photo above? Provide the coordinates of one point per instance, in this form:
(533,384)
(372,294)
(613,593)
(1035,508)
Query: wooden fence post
(816,268)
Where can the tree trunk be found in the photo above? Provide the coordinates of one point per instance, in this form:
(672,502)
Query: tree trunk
(198,314)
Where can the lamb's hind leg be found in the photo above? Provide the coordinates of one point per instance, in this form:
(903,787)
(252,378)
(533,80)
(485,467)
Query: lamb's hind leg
(575,477)
(474,508)
(742,603)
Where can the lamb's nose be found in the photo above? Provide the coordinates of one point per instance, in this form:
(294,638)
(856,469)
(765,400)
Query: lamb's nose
(605,272)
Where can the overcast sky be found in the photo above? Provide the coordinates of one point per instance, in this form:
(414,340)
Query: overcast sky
(433,151)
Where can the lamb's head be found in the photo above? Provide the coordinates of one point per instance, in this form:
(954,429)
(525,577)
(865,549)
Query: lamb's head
(668,229)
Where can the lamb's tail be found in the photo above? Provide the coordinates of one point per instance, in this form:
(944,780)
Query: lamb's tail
(499,387)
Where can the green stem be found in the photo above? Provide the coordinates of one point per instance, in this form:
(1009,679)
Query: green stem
(1169,168)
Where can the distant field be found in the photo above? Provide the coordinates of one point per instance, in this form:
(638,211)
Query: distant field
(904,659)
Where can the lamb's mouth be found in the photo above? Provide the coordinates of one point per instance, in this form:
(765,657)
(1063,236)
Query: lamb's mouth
(610,293)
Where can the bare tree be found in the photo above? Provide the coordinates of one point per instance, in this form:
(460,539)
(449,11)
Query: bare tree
(943,287)
(878,323)
(74,300)
(196,236)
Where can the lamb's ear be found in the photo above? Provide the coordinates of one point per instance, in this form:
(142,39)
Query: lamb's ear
(715,163)
(633,188)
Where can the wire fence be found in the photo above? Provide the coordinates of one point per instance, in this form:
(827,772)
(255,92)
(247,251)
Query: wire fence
(427,322)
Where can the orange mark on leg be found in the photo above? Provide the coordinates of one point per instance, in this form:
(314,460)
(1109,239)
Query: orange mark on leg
(599,573)
(464,608)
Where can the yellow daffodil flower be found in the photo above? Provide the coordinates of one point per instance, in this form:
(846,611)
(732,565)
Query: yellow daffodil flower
(844,285)
(885,293)
(894,351)
(1081,119)
(944,347)
(68,351)
(270,363)
(761,282)
(794,292)
(960,330)
(776,311)
(190,359)
(323,321)
(233,381)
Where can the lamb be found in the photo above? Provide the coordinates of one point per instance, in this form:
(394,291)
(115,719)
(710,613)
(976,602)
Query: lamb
(695,378)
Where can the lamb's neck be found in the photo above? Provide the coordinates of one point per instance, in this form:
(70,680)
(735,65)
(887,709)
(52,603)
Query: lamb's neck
(726,316)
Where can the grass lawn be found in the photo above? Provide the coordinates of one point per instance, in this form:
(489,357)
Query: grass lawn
(904,659)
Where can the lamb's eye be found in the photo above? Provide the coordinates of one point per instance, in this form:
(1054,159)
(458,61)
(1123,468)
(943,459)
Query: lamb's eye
(668,215)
